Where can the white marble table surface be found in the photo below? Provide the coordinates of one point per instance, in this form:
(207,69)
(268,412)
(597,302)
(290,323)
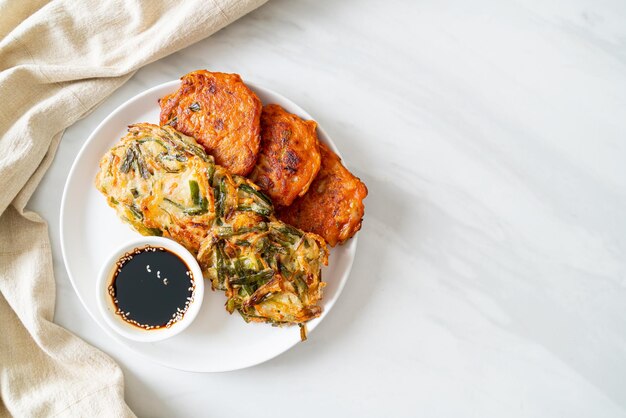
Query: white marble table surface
(490,279)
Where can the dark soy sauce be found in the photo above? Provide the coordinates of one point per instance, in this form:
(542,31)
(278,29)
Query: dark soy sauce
(152,287)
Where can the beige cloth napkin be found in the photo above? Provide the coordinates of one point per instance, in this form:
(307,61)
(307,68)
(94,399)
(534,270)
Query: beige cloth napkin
(58,60)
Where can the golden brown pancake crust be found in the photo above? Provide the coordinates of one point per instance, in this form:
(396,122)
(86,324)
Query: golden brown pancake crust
(163,183)
(221,113)
(289,158)
(333,207)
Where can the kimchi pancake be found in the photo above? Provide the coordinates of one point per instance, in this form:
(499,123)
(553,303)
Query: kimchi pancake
(333,206)
(221,113)
(289,158)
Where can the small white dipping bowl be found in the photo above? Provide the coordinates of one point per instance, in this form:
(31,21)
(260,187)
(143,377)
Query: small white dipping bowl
(107,307)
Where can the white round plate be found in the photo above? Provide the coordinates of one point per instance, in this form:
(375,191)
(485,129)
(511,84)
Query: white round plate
(90,230)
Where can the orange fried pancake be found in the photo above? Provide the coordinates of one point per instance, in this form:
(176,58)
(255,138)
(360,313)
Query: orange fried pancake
(333,206)
(221,113)
(289,158)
